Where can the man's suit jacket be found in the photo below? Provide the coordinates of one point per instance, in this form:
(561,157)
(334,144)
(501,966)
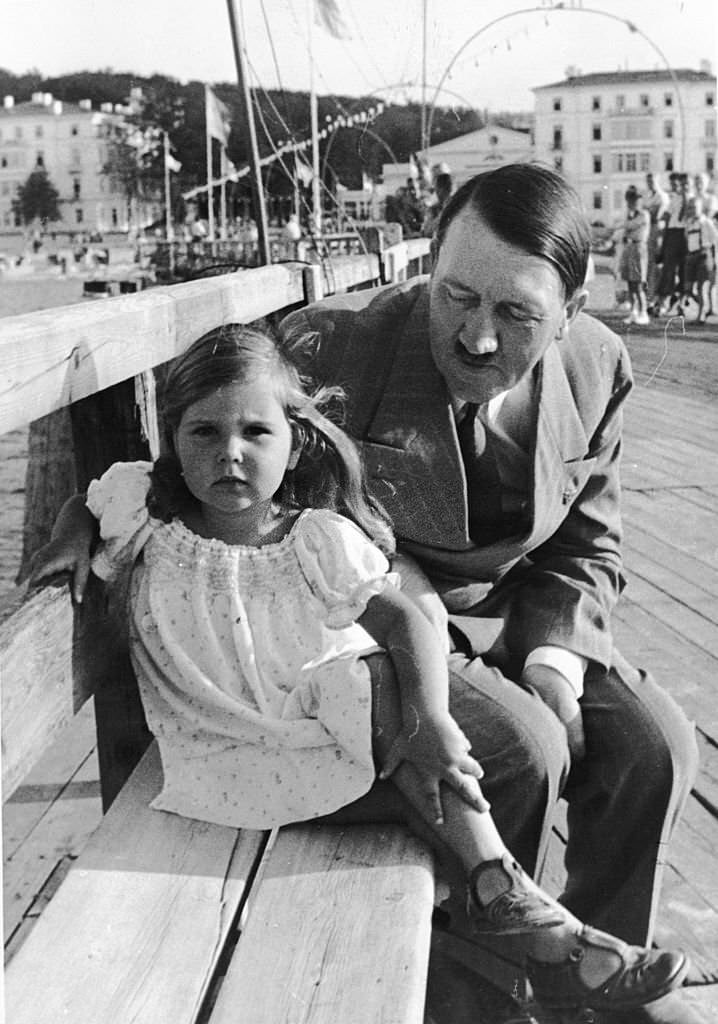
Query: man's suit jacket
(556,583)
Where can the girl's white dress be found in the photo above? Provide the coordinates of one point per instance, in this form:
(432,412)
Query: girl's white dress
(248,659)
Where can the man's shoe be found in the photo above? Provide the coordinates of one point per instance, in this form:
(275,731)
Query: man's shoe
(671,1009)
(644,975)
(643,319)
(520,907)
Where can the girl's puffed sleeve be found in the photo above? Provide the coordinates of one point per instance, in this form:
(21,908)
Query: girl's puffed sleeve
(343,568)
(119,501)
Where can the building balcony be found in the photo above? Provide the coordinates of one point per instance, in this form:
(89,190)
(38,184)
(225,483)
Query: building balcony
(633,111)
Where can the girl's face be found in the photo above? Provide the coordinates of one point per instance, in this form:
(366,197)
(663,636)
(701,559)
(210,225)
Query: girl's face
(234,447)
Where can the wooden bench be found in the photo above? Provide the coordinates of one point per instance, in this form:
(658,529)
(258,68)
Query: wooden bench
(163,918)
(167,919)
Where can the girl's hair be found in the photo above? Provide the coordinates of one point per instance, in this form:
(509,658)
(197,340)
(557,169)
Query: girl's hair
(328,473)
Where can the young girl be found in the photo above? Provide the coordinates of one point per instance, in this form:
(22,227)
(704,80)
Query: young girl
(634,258)
(279,661)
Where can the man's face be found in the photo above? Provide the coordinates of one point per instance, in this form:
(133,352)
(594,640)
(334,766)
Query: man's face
(494,310)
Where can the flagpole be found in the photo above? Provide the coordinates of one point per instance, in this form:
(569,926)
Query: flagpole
(314,116)
(255,176)
(169,232)
(210,195)
(223,194)
(168,214)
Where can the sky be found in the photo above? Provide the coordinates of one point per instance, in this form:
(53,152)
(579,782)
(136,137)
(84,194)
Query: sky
(486,54)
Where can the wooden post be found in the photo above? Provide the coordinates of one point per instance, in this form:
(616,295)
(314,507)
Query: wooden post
(106,429)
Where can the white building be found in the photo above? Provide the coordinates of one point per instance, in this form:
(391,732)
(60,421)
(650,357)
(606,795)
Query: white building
(604,131)
(68,141)
(467,155)
(481,150)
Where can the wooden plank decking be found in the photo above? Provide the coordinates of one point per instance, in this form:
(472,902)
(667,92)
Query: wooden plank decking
(667,619)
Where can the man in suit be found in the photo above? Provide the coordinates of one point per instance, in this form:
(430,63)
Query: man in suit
(488,408)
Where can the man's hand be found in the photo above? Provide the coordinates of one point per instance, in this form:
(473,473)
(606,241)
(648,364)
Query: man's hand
(60,555)
(557,693)
(439,752)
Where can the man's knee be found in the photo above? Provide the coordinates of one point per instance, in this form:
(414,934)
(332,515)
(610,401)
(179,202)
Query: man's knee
(652,737)
(513,733)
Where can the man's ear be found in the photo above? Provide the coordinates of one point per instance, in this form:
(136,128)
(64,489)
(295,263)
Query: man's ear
(573,307)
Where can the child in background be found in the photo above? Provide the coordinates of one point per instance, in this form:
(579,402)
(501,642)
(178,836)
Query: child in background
(280,663)
(634,257)
(701,240)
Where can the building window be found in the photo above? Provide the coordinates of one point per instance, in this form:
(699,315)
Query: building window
(710,163)
(617,198)
(710,132)
(557,103)
(667,99)
(620,102)
(3,161)
(645,161)
(710,99)
(597,165)
(598,200)
(40,160)
(668,161)
(557,138)
(596,103)
(78,215)
(75,188)
(618,162)
(631,162)
(114,216)
(644,100)
(38,131)
(18,131)
(668,129)
(596,132)
(558,163)
(74,130)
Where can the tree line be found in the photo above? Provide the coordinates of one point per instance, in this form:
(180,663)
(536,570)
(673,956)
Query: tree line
(349,155)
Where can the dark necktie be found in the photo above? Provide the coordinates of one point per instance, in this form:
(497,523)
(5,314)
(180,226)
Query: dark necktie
(486,519)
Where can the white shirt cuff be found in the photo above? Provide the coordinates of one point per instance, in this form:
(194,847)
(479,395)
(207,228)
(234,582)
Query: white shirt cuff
(571,666)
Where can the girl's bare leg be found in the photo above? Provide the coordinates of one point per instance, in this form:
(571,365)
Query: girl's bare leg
(473,839)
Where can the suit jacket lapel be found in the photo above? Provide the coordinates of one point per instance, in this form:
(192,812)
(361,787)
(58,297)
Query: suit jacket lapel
(411,449)
(560,439)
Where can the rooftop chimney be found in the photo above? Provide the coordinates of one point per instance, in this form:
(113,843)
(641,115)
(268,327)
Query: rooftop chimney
(57,106)
(8,102)
(85,104)
(37,97)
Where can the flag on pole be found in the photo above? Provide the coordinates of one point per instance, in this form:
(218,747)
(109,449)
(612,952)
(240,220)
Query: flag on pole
(218,119)
(303,171)
(329,17)
(171,164)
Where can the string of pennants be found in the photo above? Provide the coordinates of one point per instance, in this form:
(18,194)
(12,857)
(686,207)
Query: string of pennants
(332,124)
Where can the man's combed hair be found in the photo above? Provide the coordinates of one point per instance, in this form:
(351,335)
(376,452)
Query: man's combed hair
(328,473)
(532,207)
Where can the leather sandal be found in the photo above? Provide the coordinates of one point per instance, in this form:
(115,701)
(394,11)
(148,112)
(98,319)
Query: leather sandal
(521,907)
(644,975)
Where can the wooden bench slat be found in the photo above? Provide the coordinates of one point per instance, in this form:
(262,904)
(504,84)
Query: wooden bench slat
(339,931)
(135,931)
